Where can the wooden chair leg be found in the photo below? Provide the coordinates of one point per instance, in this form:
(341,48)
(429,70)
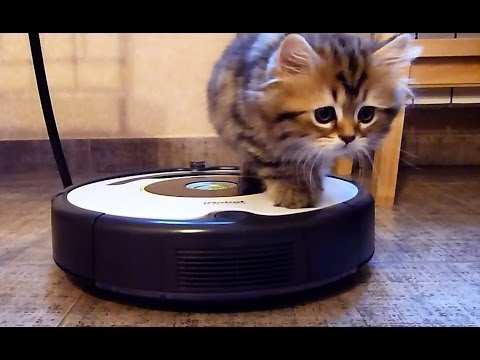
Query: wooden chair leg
(387,157)
(343,166)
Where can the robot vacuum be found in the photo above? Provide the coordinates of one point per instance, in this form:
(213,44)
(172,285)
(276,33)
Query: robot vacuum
(207,234)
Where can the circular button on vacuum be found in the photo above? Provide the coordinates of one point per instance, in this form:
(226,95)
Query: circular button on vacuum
(211,185)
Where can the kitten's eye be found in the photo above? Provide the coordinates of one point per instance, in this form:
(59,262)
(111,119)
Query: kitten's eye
(366,114)
(325,114)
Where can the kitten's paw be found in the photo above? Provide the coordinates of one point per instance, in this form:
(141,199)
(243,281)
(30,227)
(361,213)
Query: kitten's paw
(292,198)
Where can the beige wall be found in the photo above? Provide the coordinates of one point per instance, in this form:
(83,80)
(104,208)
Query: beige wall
(110,85)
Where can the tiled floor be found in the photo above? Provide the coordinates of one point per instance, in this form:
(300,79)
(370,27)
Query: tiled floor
(425,272)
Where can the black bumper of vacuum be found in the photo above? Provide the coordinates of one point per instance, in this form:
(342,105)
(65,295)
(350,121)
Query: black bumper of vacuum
(234,256)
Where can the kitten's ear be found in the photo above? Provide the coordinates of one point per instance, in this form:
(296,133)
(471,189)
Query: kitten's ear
(397,50)
(295,56)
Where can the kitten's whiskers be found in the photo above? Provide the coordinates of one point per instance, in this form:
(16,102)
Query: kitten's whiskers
(313,164)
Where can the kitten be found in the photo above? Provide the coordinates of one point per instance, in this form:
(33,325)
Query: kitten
(290,104)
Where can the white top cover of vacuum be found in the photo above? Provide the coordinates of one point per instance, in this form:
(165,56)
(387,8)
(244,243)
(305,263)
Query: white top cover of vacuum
(131,200)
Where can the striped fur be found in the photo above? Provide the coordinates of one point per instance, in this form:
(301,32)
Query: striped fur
(267,93)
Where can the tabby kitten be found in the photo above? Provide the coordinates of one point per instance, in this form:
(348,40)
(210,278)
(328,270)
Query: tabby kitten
(290,104)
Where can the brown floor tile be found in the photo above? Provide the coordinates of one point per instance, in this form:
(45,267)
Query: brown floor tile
(468,194)
(34,295)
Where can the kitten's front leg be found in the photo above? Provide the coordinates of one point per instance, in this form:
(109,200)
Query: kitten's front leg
(289,194)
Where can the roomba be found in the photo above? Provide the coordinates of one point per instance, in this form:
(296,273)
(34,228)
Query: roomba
(207,234)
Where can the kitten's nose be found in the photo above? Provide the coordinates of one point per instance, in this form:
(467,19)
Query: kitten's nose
(347,138)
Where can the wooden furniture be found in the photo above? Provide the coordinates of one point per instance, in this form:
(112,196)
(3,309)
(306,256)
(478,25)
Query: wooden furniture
(444,63)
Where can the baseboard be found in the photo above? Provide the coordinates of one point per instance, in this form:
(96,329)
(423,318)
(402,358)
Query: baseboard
(91,156)
(441,134)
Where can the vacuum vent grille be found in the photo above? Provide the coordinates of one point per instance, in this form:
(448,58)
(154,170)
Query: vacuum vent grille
(234,269)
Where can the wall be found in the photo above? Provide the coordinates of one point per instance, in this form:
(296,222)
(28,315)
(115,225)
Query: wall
(137,86)
(110,85)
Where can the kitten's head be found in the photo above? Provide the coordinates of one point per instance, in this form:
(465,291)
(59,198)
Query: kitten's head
(337,94)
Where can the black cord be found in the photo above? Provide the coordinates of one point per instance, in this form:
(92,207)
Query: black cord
(43,92)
